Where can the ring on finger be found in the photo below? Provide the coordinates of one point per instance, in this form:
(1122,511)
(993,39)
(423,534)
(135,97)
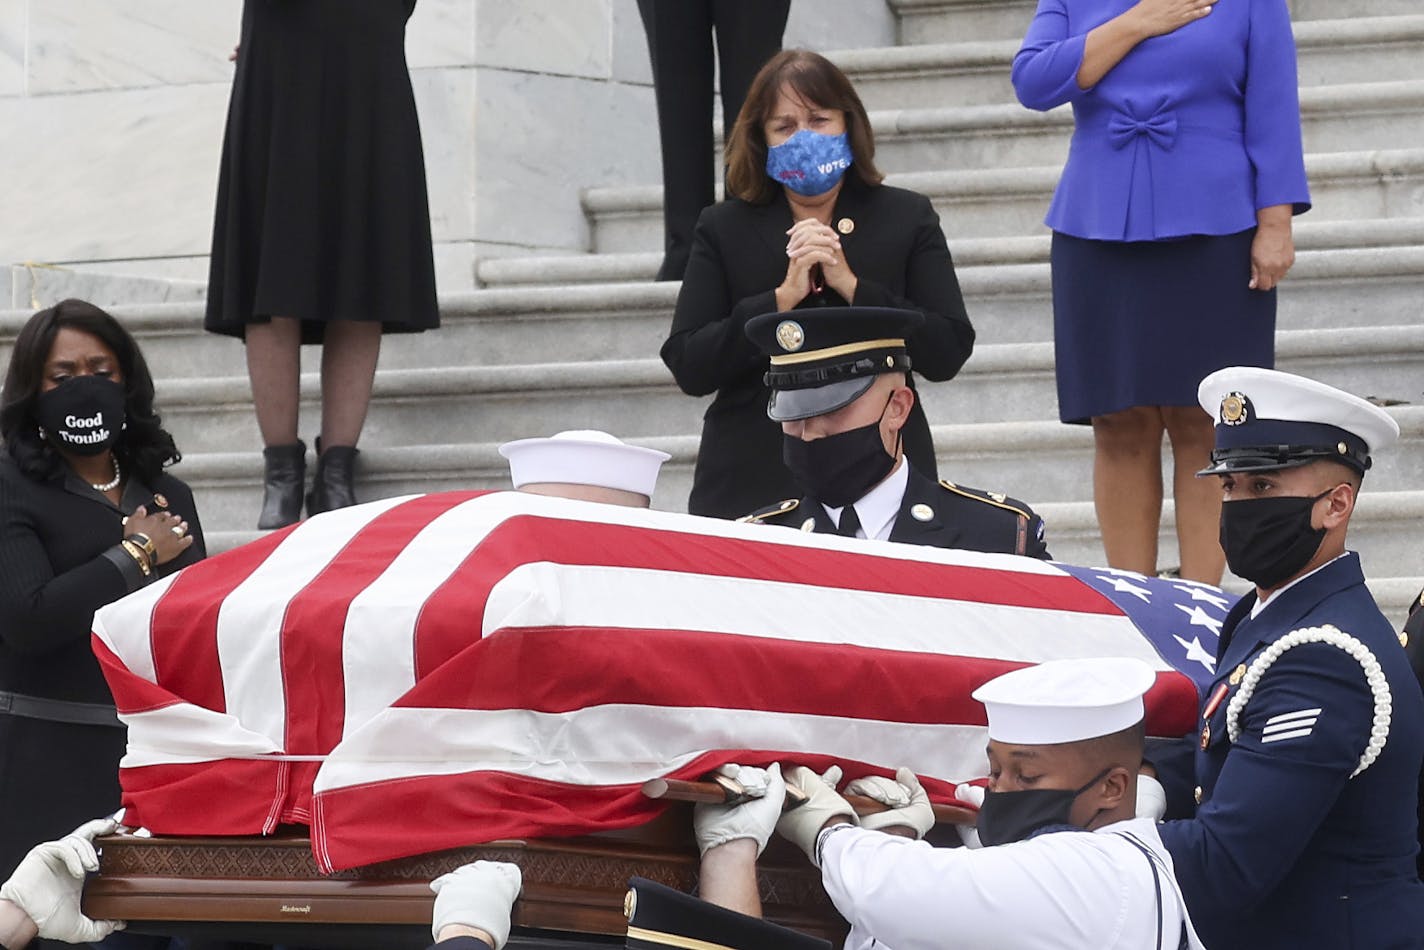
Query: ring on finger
(179,530)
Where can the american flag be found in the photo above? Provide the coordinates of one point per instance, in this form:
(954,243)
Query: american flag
(438,670)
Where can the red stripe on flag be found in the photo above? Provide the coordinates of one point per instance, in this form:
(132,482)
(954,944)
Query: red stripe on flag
(457,605)
(226,797)
(183,630)
(132,693)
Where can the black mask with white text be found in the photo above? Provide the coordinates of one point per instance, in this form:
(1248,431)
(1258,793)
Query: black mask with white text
(82,415)
(1268,540)
(1006,817)
(839,469)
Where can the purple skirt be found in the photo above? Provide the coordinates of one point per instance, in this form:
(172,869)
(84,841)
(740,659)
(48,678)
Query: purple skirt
(1141,323)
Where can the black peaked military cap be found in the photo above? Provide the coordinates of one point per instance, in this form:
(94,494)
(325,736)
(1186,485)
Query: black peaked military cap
(823,358)
(660,917)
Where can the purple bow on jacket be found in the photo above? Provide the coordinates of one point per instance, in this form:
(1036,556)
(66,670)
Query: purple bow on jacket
(1160,126)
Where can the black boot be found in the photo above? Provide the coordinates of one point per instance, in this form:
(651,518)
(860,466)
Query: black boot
(283,479)
(332,487)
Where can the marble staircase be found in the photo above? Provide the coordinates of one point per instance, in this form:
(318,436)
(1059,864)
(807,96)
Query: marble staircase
(567,341)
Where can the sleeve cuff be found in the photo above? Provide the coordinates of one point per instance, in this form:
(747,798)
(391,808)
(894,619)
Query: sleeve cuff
(128,568)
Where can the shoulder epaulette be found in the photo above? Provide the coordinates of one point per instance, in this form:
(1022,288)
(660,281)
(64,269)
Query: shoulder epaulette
(771,511)
(997,499)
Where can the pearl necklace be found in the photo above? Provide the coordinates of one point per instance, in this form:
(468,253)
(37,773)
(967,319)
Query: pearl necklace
(118,477)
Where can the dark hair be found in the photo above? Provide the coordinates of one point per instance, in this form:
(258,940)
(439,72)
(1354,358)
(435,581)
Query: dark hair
(144,447)
(816,80)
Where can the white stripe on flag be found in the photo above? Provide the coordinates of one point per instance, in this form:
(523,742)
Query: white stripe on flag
(249,635)
(619,744)
(183,733)
(123,627)
(545,594)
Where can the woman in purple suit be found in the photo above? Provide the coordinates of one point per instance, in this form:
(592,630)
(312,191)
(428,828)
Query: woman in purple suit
(1171,228)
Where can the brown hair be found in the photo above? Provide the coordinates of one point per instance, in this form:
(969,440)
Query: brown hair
(819,82)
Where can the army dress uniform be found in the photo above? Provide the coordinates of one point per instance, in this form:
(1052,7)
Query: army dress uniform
(1312,734)
(821,362)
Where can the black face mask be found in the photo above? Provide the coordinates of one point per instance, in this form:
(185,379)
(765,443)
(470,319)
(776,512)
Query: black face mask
(839,469)
(1268,540)
(1006,817)
(82,415)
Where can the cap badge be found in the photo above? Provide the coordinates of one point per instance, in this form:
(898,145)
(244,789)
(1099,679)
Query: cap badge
(921,512)
(790,335)
(845,225)
(630,903)
(1235,409)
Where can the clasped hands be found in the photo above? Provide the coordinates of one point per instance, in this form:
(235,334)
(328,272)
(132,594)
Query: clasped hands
(811,244)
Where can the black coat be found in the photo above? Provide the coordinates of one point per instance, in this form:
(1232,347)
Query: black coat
(59,562)
(938,514)
(899,255)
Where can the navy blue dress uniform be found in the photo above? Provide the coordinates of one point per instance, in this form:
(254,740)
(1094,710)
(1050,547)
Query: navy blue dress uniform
(822,361)
(1312,734)
(660,917)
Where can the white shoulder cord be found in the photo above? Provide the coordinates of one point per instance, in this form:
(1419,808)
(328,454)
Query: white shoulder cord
(1374,675)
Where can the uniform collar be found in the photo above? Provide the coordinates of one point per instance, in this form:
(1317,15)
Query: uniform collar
(879,506)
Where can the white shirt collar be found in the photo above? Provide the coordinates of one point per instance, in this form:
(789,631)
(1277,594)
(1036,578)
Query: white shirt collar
(879,506)
(1260,605)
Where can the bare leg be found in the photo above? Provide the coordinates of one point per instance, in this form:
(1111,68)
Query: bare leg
(1127,486)
(1198,499)
(348,370)
(274,366)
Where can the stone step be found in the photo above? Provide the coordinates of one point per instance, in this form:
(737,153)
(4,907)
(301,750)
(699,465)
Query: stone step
(977,72)
(1042,462)
(1005,135)
(636,397)
(1006,202)
(958,21)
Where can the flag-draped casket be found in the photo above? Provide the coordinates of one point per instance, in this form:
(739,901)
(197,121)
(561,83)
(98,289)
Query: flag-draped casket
(432,671)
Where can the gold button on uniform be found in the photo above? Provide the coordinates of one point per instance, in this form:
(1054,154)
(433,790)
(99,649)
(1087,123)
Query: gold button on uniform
(921,512)
(1197,794)
(809,524)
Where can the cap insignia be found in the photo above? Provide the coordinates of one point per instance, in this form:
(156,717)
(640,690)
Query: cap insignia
(630,903)
(1235,409)
(790,335)
(921,512)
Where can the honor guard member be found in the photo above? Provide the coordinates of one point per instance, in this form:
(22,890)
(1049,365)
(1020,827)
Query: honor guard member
(1312,735)
(840,391)
(1072,865)
(585,465)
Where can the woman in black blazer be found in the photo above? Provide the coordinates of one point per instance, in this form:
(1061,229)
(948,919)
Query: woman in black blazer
(823,232)
(87,515)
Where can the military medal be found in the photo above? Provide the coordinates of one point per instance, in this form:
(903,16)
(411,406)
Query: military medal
(1217,696)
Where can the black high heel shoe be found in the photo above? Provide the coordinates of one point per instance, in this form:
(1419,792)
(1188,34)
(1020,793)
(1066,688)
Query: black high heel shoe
(283,481)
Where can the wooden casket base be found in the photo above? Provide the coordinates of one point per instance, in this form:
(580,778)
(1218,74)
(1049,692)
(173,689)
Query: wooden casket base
(270,888)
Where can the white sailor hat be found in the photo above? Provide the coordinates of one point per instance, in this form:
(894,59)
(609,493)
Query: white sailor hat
(1267,420)
(1066,700)
(584,457)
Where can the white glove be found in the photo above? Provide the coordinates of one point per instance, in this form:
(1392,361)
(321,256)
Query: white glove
(909,806)
(802,824)
(479,895)
(973,795)
(47,883)
(755,819)
(1151,798)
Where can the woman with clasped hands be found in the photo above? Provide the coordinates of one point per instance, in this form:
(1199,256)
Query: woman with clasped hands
(1171,229)
(87,515)
(808,223)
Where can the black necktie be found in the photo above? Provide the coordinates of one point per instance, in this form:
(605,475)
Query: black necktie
(850,522)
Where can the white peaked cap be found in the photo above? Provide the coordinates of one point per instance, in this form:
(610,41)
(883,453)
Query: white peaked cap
(1066,700)
(584,457)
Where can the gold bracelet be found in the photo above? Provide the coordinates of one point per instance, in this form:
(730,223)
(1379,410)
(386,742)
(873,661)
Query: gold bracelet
(139,555)
(145,542)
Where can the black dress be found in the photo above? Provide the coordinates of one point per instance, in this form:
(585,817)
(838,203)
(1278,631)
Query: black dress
(322,211)
(58,564)
(892,240)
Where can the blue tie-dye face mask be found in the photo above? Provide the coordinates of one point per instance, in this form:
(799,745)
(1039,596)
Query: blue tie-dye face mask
(809,163)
